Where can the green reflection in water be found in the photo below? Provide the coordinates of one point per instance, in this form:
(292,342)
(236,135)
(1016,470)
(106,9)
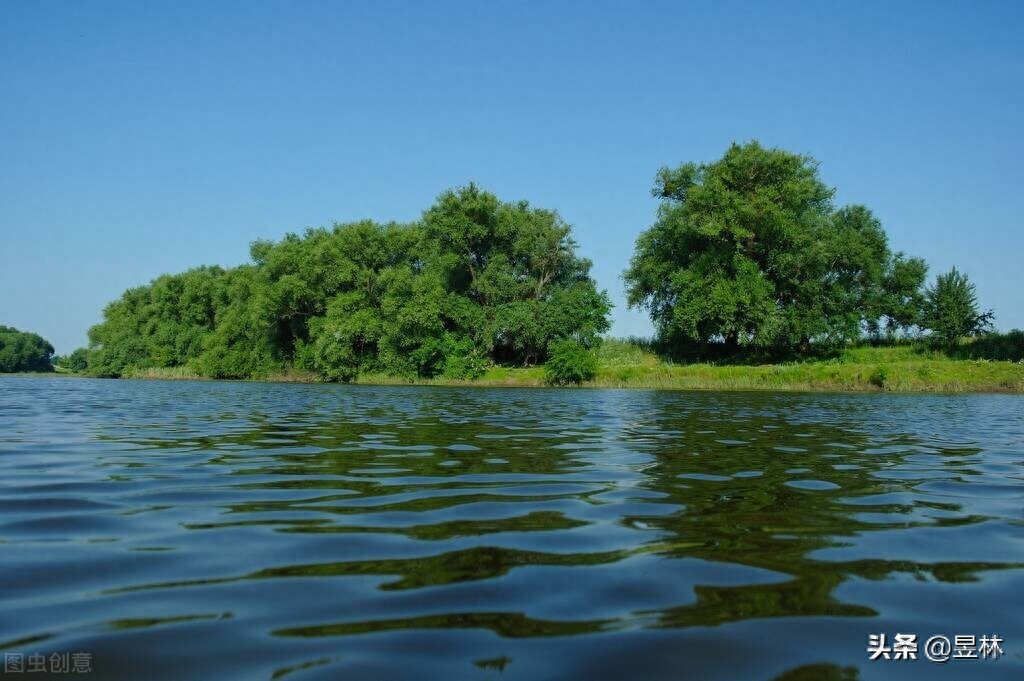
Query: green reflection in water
(507,624)
(694,477)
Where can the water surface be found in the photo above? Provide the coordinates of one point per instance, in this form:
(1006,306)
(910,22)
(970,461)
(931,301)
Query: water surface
(198,530)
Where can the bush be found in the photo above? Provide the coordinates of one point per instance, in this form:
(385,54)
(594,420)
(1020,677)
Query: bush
(569,363)
(77,361)
(999,346)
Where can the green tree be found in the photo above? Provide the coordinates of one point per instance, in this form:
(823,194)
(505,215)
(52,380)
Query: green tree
(23,351)
(749,251)
(902,295)
(477,280)
(163,324)
(951,310)
(241,344)
(76,361)
(518,266)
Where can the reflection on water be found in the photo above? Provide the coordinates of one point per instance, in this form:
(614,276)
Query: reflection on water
(252,531)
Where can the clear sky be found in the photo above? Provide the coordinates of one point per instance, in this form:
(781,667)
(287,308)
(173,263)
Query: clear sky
(139,138)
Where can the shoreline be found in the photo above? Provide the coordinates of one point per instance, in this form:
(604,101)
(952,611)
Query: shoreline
(921,377)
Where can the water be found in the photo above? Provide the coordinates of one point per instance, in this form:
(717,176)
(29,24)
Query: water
(189,530)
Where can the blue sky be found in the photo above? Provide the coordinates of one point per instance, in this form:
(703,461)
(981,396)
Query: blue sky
(143,138)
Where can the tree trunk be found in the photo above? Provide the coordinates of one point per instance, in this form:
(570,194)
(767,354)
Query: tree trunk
(732,343)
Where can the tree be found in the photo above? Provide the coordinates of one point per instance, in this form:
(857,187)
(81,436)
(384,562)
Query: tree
(163,324)
(516,267)
(749,251)
(477,280)
(23,351)
(902,295)
(77,361)
(951,309)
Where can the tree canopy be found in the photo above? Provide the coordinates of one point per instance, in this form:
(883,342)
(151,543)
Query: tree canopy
(23,351)
(951,309)
(749,251)
(475,281)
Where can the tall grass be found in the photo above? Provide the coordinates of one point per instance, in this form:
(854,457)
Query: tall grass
(163,373)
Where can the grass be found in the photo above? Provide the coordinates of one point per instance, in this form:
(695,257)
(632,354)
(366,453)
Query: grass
(901,368)
(626,364)
(163,373)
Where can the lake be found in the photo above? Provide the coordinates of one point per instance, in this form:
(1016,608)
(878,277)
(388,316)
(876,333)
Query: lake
(219,530)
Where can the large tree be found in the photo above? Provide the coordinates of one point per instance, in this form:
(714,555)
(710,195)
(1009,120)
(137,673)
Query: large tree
(518,266)
(750,251)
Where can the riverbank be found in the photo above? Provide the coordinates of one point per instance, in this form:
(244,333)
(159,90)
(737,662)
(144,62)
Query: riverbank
(906,369)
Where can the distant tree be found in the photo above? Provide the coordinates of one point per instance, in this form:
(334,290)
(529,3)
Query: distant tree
(951,309)
(77,361)
(902,295)
(23,351)
(749,251)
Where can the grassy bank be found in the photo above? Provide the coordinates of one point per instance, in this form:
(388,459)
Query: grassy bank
(895,369)
(623,365)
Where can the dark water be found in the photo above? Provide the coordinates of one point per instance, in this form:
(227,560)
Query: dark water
(246,531)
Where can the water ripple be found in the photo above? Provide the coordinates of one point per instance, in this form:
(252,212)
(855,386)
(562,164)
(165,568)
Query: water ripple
(294,531)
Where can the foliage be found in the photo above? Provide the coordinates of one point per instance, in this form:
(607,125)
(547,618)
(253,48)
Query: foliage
(904,366)
(1007,346)
(951,310)
(77,361)
(570,363)
(750,251)
(477,281)
(23,351)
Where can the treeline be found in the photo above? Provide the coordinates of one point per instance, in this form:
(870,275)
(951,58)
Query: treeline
(23,351)
(475,281)
(748,257)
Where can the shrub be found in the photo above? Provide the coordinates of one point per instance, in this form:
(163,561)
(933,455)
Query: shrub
(78,360)
(999,346)
(569,363)
(462,360)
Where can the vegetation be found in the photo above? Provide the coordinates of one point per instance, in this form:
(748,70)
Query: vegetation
(1007,347)
(570,363)
(951,310)
(894,367)
(75,362)
(476,282)
(898,367)
(752,276)
(23,351)
(749,252)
